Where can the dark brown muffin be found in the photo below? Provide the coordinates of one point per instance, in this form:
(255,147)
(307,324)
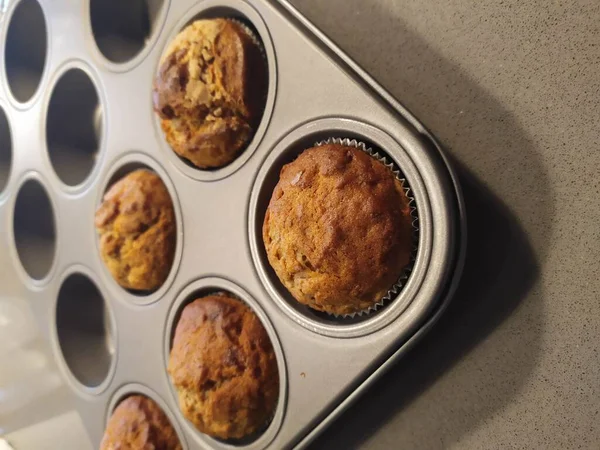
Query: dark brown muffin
(136,224)
(210,91)
(138,423)
(338,229)
(224,368)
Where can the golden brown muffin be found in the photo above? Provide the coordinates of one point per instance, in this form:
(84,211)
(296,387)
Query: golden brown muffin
(136,224)
(210,91)
(338,229)
(138,423)
(224,368)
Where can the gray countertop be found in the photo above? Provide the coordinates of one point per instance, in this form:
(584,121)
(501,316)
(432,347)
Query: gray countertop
(512,89)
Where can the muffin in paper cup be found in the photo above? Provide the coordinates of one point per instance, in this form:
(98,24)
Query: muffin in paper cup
(341,229)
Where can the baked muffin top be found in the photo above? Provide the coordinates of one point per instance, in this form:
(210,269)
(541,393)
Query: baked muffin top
(210,91)
(223,367)
(337,230)
(138,423)
(136,225)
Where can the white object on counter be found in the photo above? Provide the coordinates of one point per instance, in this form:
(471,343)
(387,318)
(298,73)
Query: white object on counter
(28,376)
(64,432)
(17,326)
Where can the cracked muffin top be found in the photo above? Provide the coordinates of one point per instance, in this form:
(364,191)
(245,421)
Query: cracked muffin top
(210,91)
(136,226)
(337,230)
(223,367)
(139,423)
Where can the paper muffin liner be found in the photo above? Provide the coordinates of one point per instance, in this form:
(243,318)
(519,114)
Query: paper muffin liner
(397,287)
(252,34)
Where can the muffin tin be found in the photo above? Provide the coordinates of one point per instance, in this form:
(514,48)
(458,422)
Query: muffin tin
(109,342)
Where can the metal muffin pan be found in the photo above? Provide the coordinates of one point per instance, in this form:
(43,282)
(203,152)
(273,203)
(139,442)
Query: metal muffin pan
(51,193)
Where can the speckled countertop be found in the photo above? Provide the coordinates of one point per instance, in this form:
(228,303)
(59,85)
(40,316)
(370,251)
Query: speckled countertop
(512,89)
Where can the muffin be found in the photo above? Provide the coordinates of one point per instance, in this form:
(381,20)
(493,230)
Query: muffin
(337,230)
(210,91)
(139,423)
(223,367)
(136,225)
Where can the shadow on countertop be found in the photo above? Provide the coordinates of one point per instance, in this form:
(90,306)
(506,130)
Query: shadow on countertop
(499,271)
(504,252)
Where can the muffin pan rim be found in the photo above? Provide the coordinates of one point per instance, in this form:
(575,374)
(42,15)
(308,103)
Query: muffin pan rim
(135,388)
(219,283)
(92,74)
(83,391)
(135,158)
(372,134)
(198,11)
(8,17)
